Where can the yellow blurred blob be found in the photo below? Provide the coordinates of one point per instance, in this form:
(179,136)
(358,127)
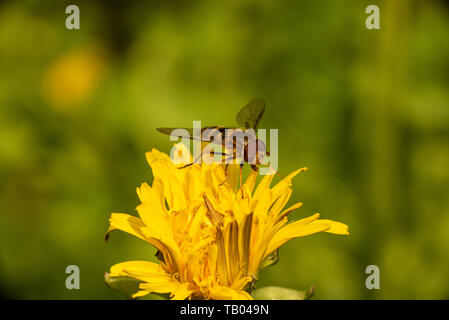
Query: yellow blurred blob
(72,78)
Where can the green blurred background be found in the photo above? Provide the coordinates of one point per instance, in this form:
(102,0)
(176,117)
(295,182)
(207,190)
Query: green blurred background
(366,110)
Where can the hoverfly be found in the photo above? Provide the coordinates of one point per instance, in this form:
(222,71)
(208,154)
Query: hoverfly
(251,150)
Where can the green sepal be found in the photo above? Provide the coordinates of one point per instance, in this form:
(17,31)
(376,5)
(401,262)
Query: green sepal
(271,260)
(127,285)
(279,293)
(130,286)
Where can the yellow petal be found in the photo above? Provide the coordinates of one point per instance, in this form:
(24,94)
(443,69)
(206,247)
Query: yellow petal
(127,223)
(335,227)
(140,293)
(231,234)
(217,292)
(160,287)
(279,203)
(261,187)
(241,283)
(289,210)
(286,182)
(156,223)
(141,270)
(251,181)
(196,222)
(136,227)
(151,196)
(194,185)
(155,155)
(182,292)
(233,176)
(171,178)
(296,229)
(245,230)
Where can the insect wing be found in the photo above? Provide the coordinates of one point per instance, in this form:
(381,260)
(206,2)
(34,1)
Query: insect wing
(185,133)
(208,134)
(251,114)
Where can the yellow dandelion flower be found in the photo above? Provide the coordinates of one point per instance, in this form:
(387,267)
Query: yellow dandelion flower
(212,240)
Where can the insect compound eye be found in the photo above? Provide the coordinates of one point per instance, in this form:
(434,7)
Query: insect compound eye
(256,151)
(261,150)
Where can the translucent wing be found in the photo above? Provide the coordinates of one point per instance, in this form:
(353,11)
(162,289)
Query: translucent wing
(188,133)
(249,116)
(206,135)
(213,135)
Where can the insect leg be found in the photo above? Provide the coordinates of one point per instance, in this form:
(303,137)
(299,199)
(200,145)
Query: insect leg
(201,155)
(275,171)
(227,166)
(195,161)
(187,165)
